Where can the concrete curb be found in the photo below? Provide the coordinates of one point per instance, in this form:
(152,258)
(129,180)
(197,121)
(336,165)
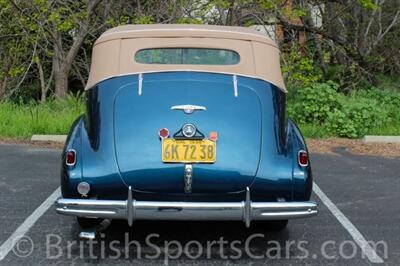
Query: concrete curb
(381,139)
(47,138)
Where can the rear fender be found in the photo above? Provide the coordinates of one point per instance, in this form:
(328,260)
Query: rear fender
(72,175)
(95,165)
(302,175)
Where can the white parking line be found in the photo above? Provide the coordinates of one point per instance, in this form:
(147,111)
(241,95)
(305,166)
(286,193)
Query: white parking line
(7,246)
(353,231)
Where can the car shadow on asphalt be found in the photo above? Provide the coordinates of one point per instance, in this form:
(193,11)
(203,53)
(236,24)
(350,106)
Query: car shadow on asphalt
(208,240)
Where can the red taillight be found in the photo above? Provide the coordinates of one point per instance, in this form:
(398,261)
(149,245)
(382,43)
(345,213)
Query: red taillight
(163,133)
(70,158)
(303,158)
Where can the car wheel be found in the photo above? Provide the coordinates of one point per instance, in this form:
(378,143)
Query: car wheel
(88,222)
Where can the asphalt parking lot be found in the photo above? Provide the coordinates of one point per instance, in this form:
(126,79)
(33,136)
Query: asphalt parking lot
(358,222)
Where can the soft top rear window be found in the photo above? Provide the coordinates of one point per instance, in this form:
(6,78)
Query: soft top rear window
(187,56)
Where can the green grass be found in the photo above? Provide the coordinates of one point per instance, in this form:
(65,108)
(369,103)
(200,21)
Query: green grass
(313,131)
(319,131)
(388,130)
(391,128)
(21,121)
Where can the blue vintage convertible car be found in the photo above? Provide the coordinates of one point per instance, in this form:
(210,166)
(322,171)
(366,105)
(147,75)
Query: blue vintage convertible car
(185,122)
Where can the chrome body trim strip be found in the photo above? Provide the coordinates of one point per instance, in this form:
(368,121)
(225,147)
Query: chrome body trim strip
(131,210)
(235,88)
(140,83)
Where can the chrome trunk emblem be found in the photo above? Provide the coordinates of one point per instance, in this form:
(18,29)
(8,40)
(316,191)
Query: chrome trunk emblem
(189,130)
(188,108)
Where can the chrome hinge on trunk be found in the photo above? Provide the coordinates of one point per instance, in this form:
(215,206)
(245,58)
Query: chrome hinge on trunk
(235,88)
(140,83)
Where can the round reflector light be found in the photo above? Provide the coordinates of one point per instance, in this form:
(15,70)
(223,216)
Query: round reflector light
(213,136)
(83,188)
(163,133)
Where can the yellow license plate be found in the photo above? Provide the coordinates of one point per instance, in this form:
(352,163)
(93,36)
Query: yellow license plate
(188,151)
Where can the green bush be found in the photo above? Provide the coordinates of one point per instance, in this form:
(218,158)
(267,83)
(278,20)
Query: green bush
(314,103)
(385,97)
(299,68)
(357,117)
(332,113)
(340,124)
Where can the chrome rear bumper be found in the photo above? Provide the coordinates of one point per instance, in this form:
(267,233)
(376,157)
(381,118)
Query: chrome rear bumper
(132,210)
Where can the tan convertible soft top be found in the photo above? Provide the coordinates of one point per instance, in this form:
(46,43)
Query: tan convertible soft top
(114,51)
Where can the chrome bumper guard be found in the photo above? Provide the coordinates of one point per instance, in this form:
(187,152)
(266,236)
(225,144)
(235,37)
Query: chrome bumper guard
(132,210)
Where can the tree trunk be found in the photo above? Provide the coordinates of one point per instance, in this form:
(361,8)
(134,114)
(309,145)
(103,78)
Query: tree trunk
(316,39)
(335,28)
(61,82)
(3,84)
(231,10)
(63,60)
(59,69)
(43,90)
(79,74)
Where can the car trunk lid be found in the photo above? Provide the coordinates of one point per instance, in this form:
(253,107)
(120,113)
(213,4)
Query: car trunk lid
(138,118)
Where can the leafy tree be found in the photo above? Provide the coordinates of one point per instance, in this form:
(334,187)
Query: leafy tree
(46,44)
